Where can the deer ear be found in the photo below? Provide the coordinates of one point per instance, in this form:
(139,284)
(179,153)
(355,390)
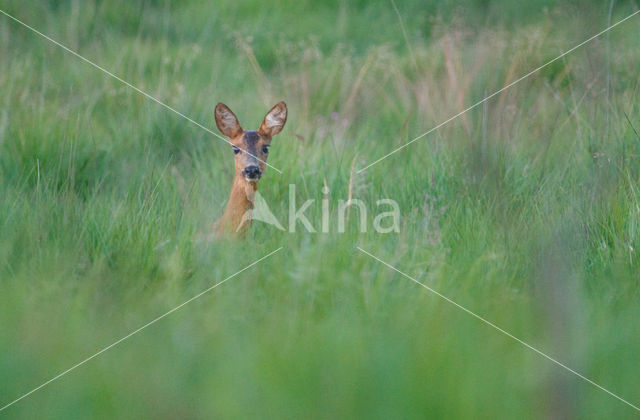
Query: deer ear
(226,121)
(274,121)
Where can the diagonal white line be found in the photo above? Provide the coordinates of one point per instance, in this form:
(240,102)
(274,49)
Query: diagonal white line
(138,330)
(130,85)
(500,91)
(491,324)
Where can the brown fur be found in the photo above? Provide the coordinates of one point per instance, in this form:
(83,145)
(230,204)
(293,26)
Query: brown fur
(250,154)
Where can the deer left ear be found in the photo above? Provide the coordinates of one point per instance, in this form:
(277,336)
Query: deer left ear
(227,121)
(274,121)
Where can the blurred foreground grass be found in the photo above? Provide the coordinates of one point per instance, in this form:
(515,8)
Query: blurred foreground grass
(524,210)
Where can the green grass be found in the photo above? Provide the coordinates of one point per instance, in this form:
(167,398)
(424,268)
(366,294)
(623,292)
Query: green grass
(525,210)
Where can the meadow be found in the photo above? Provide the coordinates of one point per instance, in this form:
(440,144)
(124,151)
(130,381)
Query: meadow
(525,210)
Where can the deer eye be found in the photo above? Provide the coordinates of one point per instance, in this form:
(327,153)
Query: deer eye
(265,149)
(236,150)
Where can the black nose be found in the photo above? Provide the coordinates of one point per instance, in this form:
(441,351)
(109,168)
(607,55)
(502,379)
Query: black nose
(252,172)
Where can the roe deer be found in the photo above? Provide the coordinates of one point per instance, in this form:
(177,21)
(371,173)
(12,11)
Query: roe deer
(250,150)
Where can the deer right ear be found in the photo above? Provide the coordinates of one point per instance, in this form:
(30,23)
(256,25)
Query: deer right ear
(226,121)
(274,121)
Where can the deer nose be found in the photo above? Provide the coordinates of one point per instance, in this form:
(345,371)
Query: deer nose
(252,172)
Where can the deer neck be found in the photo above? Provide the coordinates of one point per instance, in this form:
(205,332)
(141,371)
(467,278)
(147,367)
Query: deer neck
(240,201)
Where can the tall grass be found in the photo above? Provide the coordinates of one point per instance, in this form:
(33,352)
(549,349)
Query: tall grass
(524,210)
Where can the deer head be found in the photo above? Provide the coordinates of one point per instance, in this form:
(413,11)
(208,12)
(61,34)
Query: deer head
(251,148)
